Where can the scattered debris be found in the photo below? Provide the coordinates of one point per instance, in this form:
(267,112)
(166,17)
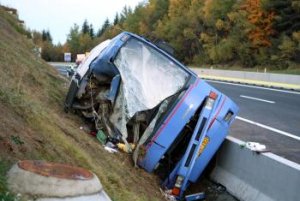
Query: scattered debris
(110,150)
(124,148)
(101,137)
(167,194)
(196,196)
(255,146)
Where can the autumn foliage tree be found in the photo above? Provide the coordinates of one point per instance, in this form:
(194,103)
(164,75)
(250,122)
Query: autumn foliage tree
(261,30)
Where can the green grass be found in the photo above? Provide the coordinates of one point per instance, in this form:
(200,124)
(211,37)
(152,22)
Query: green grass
(34,126)
(5,195)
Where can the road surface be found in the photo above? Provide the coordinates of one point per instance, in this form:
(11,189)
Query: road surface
(62,67)
(269,116)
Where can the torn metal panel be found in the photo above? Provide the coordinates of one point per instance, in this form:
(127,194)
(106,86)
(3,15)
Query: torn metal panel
(148,77)
(148,131)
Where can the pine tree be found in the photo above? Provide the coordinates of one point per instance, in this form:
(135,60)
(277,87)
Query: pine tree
(125,13)
(116,20)
(85,27)
(287,15)
(46,36)
(91,31)
(49,37)
(104,27)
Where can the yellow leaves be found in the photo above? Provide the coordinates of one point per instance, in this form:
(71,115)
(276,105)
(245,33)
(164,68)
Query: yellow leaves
(189,33)
(222,51)
(205,38)
(85,42)
(296,36)
(287,47)
(207,8)
(220,24)
(65,48)
(296,5)
(176,7)
(143,28)
(233,16)
(115,30)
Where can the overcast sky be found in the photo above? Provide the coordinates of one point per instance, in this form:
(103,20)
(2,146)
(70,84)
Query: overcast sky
(58,16)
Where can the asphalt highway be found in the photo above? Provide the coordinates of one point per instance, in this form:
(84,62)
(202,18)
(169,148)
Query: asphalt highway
(61,67)
(268,116)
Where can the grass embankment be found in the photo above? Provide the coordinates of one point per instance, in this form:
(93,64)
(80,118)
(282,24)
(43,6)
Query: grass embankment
(34,126)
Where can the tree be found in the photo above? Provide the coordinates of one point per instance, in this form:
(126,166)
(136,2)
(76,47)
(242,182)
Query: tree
(125,13)
(46,36)
(261,21)
(116,20)
(91,32)
(104,27)
(242,32)
(86,43)
(287,47)
(73,41)
(85,27)
(133,21)
(286,15)
(217,10)
(37,38)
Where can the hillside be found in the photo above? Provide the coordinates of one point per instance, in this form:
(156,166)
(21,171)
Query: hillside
(34,126)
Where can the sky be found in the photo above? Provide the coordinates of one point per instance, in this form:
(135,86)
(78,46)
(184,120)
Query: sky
(58,16)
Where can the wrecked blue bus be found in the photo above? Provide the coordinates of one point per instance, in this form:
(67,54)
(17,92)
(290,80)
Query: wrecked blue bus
(135,92)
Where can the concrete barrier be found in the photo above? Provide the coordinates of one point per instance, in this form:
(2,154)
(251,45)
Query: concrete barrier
(267,77)
(251,78)
(256,177)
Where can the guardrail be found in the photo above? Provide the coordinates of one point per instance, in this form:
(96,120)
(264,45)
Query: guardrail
(256,177)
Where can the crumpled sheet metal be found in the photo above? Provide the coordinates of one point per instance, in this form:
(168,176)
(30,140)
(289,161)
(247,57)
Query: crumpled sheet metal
(148,132)
(85,64)
(147,79)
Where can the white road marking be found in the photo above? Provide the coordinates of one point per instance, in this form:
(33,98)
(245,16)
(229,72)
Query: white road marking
(269,128)
(256,87)
(258,99)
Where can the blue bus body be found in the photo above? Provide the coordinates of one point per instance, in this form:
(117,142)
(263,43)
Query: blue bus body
(186,135)
(213,131)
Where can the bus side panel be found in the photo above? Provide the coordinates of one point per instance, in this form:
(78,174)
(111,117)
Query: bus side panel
(215,136)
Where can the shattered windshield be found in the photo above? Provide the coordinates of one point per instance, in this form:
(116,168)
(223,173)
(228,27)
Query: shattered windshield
(148,76)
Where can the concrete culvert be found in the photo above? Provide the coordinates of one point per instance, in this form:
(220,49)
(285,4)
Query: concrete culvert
(54,182)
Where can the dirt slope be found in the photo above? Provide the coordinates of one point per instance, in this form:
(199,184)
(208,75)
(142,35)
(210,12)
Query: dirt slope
(34,126)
